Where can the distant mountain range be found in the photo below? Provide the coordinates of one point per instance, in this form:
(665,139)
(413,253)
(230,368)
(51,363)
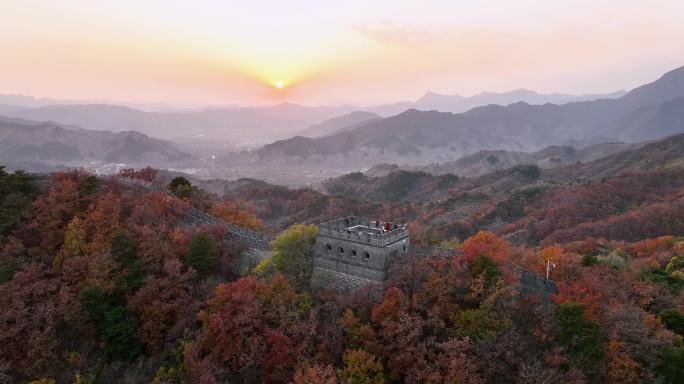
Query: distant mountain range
(343,138)
(249,125)
(660,154)
(339,124)
(413,137)
(487,161)
(23,141)
(390,182)
(237,125)
(457,104)
(30,101)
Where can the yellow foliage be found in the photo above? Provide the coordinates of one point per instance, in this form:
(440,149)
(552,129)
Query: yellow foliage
(361,367)
(292,252)
(74,238)
(265,267)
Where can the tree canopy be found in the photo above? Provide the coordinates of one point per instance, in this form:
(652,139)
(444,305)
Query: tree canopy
(292,253)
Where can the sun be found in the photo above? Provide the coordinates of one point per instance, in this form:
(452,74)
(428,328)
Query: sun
(279,85)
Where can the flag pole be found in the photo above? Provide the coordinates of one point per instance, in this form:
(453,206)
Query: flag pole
(548,268)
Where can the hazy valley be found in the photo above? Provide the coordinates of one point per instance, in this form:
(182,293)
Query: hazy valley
(225,143)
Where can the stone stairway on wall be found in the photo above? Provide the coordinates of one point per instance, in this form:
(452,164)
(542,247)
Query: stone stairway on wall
(253,239)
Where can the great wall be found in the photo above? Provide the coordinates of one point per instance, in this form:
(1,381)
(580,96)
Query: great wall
(350,252)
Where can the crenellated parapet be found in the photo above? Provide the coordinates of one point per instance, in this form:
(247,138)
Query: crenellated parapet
(363,230)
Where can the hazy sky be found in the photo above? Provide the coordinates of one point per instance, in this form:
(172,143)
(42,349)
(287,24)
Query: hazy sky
(357,51)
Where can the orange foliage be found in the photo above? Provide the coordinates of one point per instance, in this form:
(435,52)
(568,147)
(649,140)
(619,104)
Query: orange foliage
(394,303)
(436,295)
(488,244)
(231,212)
(102,221)
(53,209)
(584,291)
(651,248)
(553,253)
(565,262)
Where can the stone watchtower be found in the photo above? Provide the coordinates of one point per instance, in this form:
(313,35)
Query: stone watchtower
(353,252)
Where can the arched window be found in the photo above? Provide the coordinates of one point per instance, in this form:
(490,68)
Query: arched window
(366,255)
(328,248)
(353,252)
(404,248)
(340,251)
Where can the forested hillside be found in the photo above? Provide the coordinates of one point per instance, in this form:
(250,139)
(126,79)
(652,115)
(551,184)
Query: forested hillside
(104,282)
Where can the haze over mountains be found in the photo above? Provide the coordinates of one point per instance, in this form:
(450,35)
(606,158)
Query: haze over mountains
(16,101)
(413,137)
(32,143)
(249,125)
(314,143)
(487,161)
(237,125)
(338,124)
(457,104)
(667,153)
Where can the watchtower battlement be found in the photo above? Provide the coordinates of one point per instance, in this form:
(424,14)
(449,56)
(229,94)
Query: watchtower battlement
(354,251)
(362,230)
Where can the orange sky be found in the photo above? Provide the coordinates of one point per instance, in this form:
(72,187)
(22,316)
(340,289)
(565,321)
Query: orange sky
(211,52)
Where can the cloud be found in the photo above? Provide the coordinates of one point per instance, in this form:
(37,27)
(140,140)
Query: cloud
(387,32)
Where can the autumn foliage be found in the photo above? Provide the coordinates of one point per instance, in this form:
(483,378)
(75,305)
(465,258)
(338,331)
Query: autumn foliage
(485,243)
(103,282)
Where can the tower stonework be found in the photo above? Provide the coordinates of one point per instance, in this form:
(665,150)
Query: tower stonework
(354,252)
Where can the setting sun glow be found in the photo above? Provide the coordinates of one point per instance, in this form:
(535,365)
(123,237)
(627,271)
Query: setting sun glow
(364,53)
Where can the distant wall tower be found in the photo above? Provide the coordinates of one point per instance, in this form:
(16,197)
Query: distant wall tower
(353,252)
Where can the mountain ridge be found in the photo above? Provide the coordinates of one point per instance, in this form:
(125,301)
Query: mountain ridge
(248,124)
(458,104)
(430,136)
(487,161)
(338,124)
(32,141)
